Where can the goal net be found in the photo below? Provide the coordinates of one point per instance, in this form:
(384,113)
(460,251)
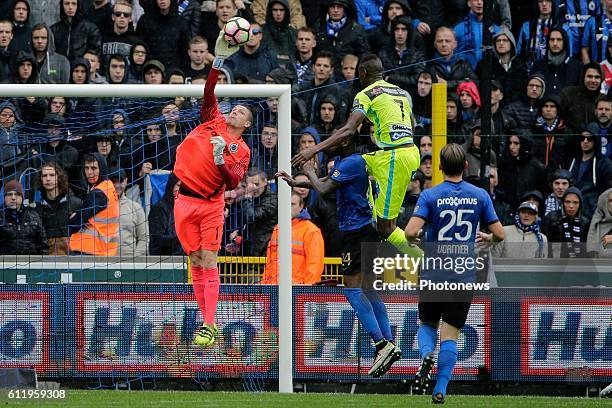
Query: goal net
(133,315)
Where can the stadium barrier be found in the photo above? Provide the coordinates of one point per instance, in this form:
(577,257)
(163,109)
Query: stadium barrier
(109,330)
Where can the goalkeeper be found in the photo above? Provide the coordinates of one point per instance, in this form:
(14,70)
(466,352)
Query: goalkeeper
(212,157)
(389,108)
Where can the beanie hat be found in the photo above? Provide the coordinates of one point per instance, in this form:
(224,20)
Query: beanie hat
(13,185)
(539,77)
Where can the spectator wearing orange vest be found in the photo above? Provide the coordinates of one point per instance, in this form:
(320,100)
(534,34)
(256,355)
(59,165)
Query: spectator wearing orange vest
(95,229)
(307,248)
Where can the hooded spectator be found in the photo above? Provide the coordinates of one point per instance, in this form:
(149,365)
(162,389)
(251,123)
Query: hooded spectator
(421,102)
(12,153)
(139,53)
(24,69)
(560,181)
(567,225)
(399,52)
(533,36)
(524,111)
(578,102)
(327,116)
(22,30)
(454,120)
(189,12)
(162,232)
(53,68)
(599,238)
(73,34)
(95,229)
(338,32)
(519,171)
(592,171)
(508,68)
(382,36)
(559,68)
(21,229)
(469,97)
(260,8)
(85,110)
(278,36)
(165,32)
(55,148)
(551,139)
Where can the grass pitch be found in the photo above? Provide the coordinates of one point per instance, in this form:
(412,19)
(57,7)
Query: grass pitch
(191,399)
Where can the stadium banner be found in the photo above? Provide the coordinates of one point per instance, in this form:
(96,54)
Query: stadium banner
(566,336)
(24,328)
(97,330)
(143,330)
(328,340)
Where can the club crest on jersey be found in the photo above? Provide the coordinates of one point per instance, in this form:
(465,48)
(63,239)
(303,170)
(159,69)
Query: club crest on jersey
(233,148)
(336,173)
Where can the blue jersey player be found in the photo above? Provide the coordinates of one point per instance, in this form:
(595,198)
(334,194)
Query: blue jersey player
(448,213)
(350,181)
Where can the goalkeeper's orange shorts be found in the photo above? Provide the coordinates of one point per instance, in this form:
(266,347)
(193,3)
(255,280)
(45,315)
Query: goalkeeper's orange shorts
(198,222)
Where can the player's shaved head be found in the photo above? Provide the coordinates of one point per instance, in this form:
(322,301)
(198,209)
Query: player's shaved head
(371,64)
(452,160)
(370,69)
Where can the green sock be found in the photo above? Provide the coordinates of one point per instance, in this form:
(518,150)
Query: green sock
(399,241)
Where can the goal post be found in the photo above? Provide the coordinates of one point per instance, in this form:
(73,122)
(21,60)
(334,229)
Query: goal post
(283,92)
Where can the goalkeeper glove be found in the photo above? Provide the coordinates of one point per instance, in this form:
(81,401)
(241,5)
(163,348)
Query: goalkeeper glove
(223,50)
(218,146)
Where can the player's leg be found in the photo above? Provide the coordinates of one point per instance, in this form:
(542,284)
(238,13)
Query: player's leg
(392,171)
(453,319)
(205,276)
(204,266)
(427,333)
(387,352)
(353,281)
(187,225)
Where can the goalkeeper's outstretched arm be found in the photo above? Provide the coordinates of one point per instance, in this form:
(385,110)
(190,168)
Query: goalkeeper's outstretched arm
(210,107)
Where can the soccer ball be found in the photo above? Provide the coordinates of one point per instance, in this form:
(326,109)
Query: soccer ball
(237,31)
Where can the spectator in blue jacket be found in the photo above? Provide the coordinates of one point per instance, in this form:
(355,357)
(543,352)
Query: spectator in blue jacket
(369,13)
(469,33)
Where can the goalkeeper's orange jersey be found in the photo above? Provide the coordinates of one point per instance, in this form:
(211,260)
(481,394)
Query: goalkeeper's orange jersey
(195,165)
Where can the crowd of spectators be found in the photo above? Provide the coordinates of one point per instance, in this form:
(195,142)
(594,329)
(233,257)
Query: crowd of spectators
(550,167)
